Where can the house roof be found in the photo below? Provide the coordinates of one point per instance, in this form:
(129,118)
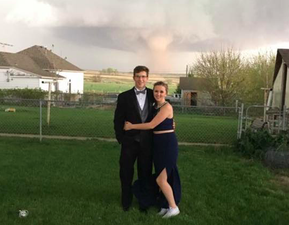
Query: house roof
(23,62)
(192,83)
(282,55)
(47,60)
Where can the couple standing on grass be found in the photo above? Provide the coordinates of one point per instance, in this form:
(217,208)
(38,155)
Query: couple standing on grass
(143,124)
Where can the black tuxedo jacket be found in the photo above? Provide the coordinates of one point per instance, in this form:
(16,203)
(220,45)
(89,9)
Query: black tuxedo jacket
(127,109)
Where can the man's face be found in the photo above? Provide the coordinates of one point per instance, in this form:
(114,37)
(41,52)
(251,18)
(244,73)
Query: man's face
(140,80)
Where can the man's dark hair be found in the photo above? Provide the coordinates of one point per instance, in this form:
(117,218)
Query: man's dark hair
(140,69)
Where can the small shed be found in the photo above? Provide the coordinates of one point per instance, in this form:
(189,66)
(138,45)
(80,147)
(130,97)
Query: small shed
(193,91)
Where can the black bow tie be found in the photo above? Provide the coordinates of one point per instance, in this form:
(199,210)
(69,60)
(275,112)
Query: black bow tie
(140,92)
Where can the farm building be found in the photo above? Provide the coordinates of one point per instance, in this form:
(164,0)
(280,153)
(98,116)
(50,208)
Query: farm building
(193,92)
(279,95)
(20,71)
(35,67)
(275,113)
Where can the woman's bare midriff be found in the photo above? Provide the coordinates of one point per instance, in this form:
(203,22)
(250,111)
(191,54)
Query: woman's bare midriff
(163,131)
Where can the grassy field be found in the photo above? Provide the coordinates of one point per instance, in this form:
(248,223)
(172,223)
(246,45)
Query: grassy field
(77,182)
(101,87)
(106,87)
(98,122)
(97,82)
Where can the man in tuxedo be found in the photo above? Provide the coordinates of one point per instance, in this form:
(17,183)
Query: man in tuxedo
(135,106)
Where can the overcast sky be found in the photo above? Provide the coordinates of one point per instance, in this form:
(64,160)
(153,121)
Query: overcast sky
(165,35)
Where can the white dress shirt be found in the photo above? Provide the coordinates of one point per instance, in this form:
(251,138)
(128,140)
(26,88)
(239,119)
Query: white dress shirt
(141,98)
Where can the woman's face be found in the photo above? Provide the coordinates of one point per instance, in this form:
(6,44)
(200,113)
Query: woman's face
(160,93)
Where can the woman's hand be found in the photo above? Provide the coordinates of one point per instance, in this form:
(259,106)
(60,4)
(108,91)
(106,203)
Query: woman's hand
(127,125)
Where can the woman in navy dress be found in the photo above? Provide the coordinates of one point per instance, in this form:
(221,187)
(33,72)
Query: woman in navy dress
(165,148)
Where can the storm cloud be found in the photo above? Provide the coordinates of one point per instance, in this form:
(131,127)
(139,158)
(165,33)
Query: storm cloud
(183,25)
(158,27)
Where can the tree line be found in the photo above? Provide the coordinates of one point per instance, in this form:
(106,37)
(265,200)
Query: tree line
(230,76)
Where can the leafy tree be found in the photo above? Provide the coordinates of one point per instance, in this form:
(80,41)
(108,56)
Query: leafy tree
(178,90)
(221,70)
(258,73)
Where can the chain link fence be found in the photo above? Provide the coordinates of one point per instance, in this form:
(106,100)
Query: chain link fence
(94,119)
(260,117)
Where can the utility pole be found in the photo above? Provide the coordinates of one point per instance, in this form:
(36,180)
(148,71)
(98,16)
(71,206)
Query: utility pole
(49,99)
(49,103)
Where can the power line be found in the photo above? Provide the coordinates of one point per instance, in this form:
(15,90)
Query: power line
(4,45)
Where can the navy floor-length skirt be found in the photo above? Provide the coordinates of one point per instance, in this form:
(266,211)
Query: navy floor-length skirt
(165,150)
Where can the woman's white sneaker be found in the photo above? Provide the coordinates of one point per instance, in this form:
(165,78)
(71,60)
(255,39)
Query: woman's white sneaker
(163,211)
(172,212)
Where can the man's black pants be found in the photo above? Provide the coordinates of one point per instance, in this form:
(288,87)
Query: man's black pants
(130,152)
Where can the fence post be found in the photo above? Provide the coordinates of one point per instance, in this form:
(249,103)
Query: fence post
(279,121)
(240,122)
(40,120)
(246,116)
(284,118)
(236,105)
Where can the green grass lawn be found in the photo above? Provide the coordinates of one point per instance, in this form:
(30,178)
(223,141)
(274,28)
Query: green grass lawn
(98,122)
(77,182)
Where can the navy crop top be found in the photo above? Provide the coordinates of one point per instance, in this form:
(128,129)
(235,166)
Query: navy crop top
(167,124)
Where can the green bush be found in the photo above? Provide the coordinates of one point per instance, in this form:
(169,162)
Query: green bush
(255,144)
(23,93)
(282,141)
